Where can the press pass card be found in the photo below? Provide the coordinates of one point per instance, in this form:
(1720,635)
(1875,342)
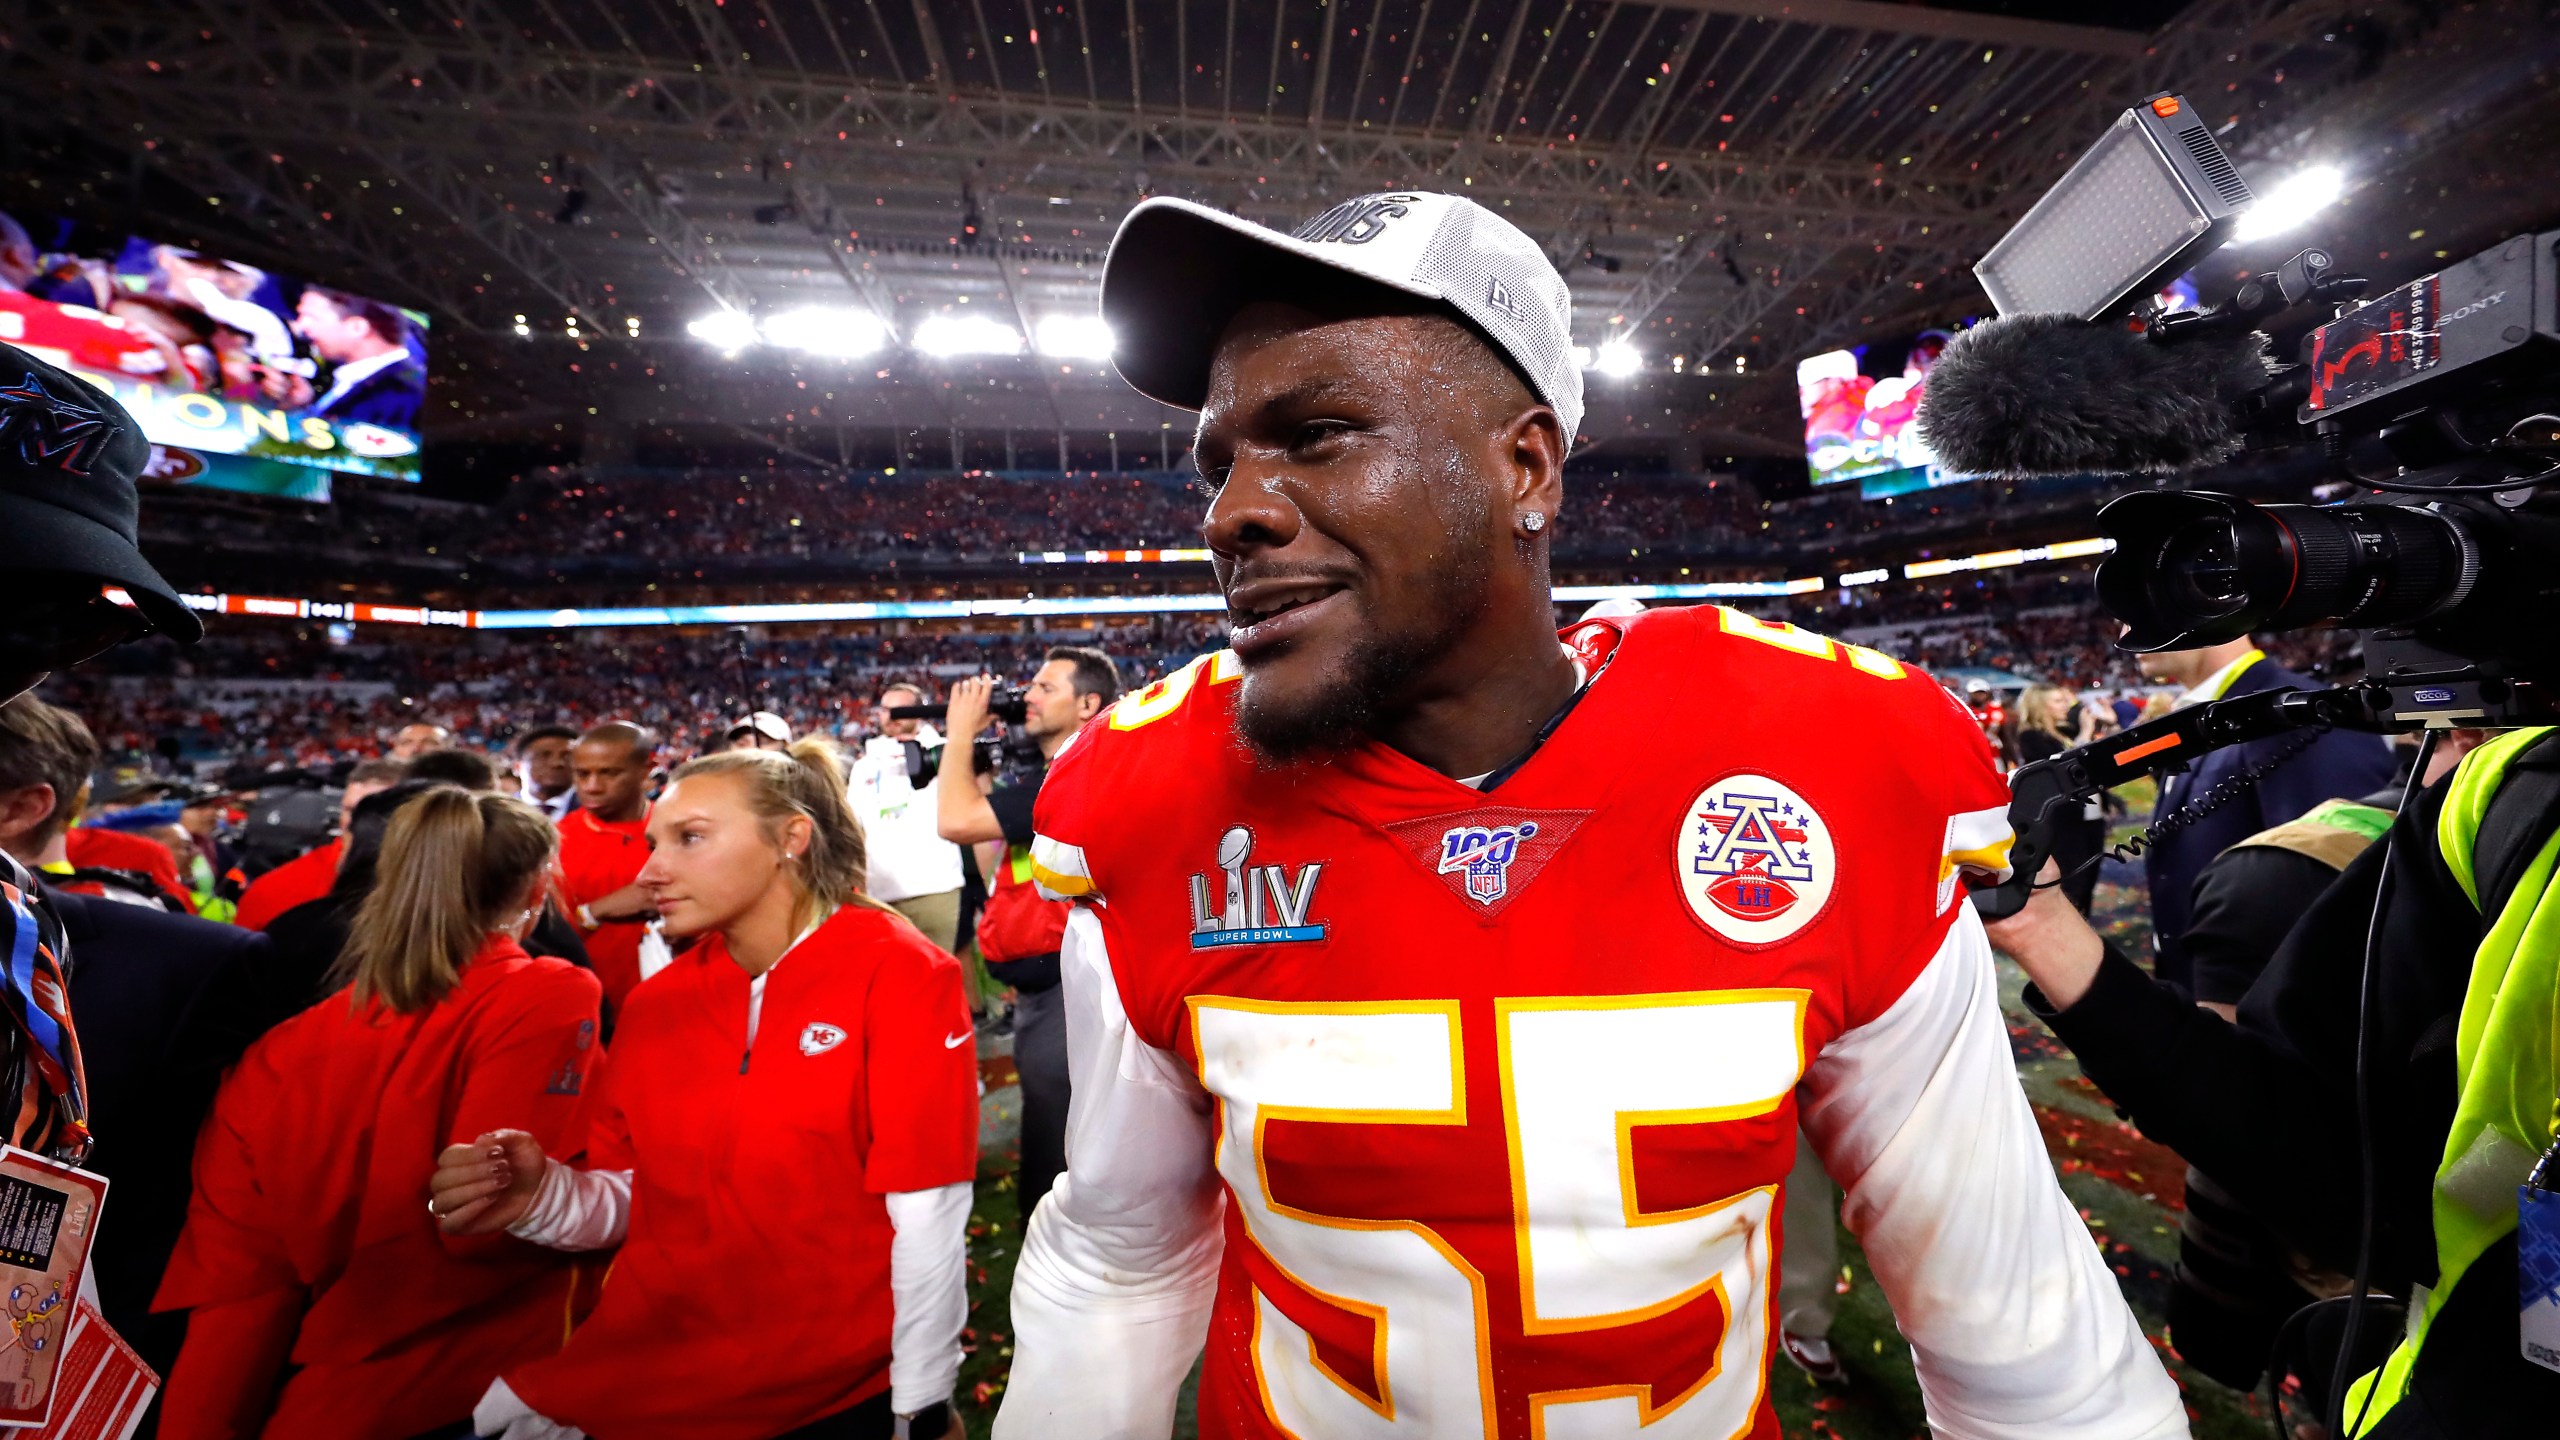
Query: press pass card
(2538,1273)
(102,1388)
(48,1217)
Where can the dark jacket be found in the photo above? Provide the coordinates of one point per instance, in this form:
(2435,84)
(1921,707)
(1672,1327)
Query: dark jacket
(164,1003)
(2339,764)
(388,397)
(309,936)
(2267,1107)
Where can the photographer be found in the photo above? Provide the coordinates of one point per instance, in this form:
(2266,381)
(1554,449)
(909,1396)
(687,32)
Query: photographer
(2457,1071)
(1019,932)
(913,869)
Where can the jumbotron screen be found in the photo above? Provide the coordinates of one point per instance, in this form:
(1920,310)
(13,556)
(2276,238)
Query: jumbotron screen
(245,379)
(1859,411)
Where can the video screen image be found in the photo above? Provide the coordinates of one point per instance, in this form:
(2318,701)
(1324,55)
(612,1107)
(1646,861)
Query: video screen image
(246,379)
(1859,411)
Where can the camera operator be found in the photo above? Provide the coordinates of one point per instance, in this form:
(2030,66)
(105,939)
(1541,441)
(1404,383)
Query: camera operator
(2457,1074)
(1019,932)
(2306,769)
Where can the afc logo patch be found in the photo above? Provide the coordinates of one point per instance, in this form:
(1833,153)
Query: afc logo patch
(1754,860)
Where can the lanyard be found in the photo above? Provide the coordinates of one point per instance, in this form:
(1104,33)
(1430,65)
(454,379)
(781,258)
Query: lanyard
(38,1006)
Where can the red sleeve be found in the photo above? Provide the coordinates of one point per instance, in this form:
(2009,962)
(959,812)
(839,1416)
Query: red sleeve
(224,1383)
(920,1068)
(227,1249)
(1951,817)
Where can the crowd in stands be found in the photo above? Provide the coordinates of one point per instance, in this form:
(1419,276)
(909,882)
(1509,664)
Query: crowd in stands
(280,694)
(221,699)
(626,533)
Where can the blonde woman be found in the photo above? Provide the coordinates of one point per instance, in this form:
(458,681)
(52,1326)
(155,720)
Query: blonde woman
(325,1302)
(2047,726)
(782,1148)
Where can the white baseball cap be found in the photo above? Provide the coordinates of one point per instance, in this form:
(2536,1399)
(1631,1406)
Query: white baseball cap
(762,722)
(1178,272)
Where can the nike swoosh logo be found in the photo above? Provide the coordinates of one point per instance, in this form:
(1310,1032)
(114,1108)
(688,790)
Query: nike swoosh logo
(956,1041)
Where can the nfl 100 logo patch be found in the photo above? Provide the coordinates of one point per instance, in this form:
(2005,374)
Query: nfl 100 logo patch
(1488,855)
(1754,860)
(1483,854)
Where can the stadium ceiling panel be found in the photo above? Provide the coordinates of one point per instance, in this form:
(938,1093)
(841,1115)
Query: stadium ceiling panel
(1719,179)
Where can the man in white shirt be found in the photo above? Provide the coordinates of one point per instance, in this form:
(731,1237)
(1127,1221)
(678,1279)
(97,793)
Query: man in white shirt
(913,869)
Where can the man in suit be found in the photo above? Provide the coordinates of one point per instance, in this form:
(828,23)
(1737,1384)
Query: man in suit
(165,1004)
(376,376)
(2314,767)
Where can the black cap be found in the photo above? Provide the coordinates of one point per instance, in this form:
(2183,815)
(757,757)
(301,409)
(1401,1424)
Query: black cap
(69,457)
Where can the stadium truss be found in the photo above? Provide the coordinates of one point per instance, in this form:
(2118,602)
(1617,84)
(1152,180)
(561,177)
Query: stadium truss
(1727,180)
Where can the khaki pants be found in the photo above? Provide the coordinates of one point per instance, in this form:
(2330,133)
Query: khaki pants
(938,916)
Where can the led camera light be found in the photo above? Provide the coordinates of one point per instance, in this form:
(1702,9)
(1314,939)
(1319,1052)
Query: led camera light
(2154,194)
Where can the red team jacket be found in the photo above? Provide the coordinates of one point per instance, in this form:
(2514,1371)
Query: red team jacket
(751,1294)
(90,847)
(308,1239)
(597,858)
(1503,1089)
(298,881)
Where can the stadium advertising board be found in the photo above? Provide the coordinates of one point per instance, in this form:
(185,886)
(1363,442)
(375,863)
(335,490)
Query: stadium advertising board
(1860,407)
(245,379)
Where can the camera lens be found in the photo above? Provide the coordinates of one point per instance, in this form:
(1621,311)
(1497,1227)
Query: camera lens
(2198,569)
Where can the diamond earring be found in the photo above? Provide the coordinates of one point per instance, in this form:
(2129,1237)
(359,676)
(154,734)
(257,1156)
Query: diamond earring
(1533,522)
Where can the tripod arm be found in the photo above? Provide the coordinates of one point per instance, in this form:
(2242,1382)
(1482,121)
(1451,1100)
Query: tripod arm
(2042,795)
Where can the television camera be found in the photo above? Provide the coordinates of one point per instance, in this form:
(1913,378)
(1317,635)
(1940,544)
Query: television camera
(2441,397)
(988,755)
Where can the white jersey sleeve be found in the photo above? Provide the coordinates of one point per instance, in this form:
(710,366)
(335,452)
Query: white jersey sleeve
(2017,1328)
(1111,1298)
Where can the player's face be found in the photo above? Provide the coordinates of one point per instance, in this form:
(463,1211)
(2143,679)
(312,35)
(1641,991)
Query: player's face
(611,778)
(1354,527)
(710,859)
(546,765)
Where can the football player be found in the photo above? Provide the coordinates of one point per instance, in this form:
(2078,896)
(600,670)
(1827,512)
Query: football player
(1444,993)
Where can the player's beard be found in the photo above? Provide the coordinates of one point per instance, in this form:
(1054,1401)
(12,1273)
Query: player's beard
(1369,683)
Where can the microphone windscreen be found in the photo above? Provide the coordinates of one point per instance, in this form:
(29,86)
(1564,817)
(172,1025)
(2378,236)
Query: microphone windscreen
(2027,395)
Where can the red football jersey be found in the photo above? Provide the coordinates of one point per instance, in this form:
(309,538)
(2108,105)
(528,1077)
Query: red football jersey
(751,1294)
(598,857)
(298,881)
(1504,1086)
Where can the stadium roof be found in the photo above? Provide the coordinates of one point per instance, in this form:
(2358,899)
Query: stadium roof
(1735,182)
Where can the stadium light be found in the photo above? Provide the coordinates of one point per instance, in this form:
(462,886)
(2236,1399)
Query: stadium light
(948,335)
(729,330)
(2297,198)
(1616,359)
(824,330)
(1074,337)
